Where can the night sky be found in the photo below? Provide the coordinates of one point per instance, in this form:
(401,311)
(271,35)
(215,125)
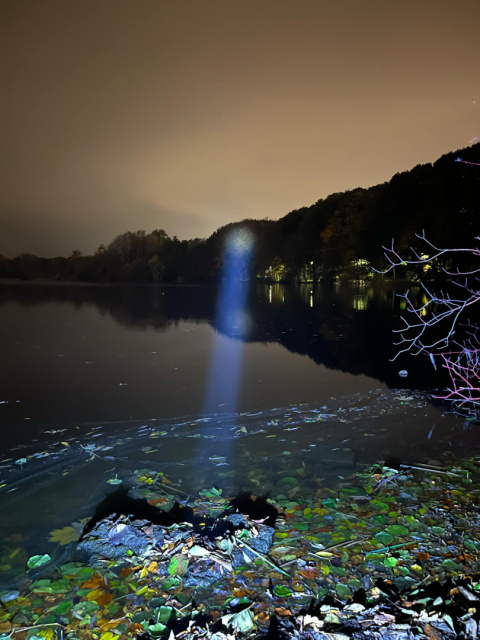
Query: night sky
(185,115)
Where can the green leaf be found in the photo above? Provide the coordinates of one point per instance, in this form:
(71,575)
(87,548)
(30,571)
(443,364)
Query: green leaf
(281,591)
(439,531)
(60,586)
(38,561)
(211,493)
(71,568)
(63,608)
(141,616)
(85,573)
(178,565)
(40,583)
(384,538)
(46,619)
(330,503)
(397,530)
(355,583)
(171,583)
(164,614)
(342,591)
(242,621)
(85,606)
(450,564)
(301,526)
(157,629)
(390,562)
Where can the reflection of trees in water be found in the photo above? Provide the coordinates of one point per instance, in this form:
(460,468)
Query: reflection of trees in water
(344,328)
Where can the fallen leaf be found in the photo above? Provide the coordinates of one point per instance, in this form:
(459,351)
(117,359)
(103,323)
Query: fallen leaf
(65,536)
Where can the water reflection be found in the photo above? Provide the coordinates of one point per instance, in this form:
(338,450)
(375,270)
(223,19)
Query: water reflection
(343,328)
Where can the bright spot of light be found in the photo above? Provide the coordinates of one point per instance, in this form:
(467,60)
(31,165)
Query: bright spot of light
(240,242)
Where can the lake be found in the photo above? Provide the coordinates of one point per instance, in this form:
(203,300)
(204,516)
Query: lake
(99,381)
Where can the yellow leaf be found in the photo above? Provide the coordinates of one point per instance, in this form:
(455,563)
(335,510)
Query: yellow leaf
(94,594)
(144,573)
(153,567)
(64,536)
(108,635)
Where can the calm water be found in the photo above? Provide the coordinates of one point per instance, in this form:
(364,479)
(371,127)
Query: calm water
(156,377)
(73,354)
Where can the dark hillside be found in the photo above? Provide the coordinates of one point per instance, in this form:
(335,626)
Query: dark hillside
(312,243)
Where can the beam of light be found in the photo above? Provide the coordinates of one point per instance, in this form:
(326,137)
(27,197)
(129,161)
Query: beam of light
(232,323)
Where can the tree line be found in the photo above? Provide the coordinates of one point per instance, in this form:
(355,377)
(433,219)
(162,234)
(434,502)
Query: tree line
(341,234)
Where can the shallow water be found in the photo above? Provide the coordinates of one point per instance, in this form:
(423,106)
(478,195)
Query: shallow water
(100,382)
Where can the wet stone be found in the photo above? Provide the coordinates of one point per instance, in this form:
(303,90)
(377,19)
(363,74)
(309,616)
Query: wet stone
(118,540)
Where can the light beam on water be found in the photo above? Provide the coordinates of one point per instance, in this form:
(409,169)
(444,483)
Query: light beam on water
(232,324)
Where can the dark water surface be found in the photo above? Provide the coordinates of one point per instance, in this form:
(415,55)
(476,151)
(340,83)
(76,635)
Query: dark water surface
(72,354)
(154,377)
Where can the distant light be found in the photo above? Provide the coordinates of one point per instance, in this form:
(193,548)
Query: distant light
(240,242)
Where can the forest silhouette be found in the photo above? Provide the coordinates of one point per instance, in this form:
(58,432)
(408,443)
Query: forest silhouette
(340,235)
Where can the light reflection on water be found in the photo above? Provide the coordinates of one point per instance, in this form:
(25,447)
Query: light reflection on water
(113,368)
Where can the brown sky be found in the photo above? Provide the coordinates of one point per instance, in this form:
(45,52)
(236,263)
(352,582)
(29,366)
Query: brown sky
(185,115)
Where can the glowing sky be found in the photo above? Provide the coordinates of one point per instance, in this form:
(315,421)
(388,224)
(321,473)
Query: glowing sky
(185,115)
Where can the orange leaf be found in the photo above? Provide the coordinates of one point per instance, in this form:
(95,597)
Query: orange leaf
(105,598)
(93,582)
(309,574)
(155,501)
(106,625)
(432,633)
(126,571)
